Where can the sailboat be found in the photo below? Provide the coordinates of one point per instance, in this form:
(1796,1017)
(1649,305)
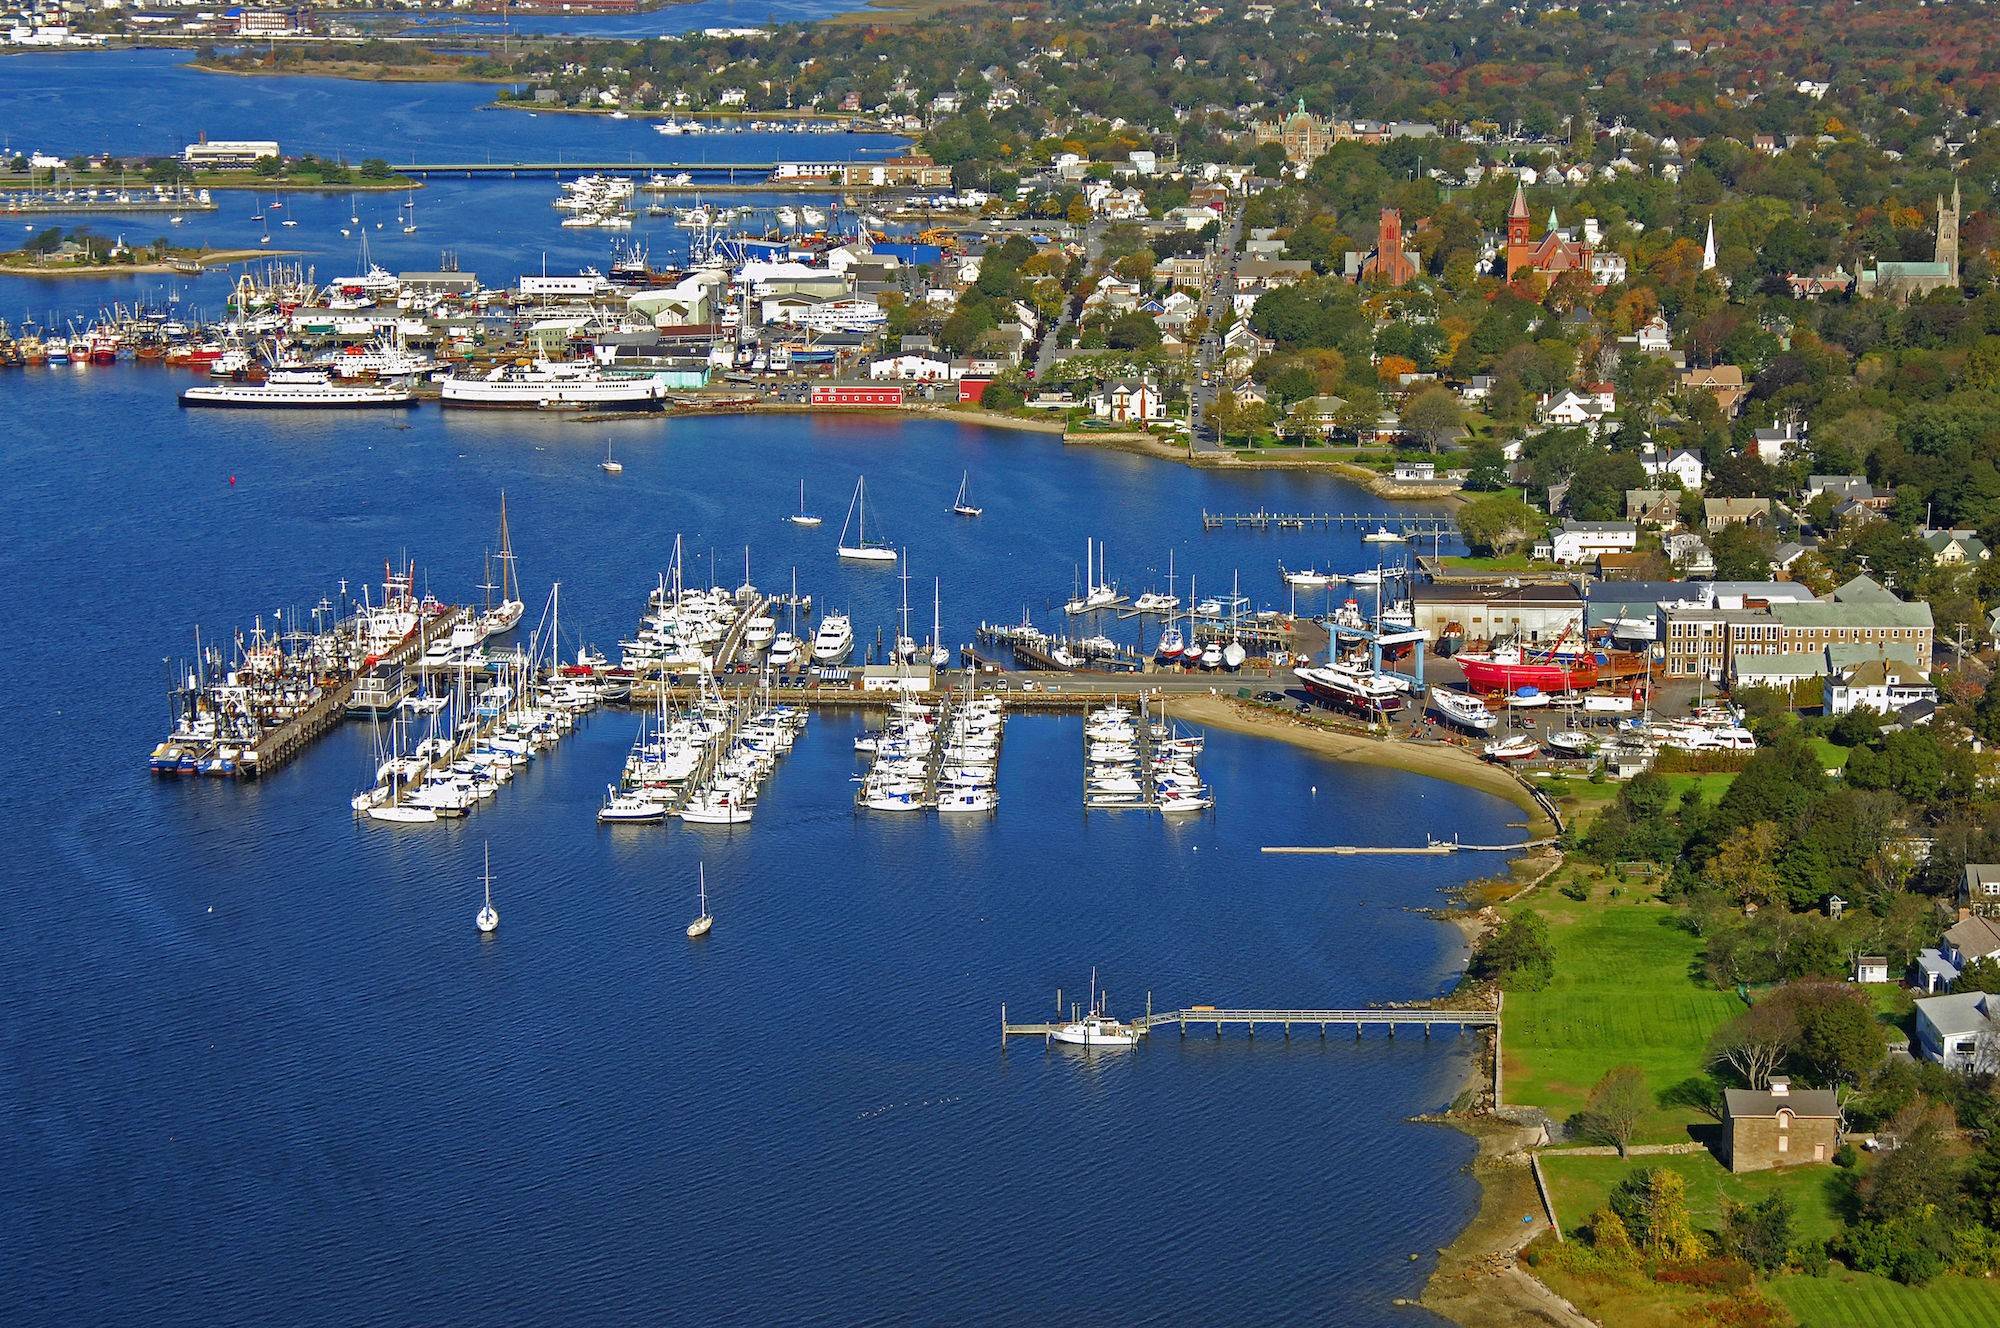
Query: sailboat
(803,518)
(960,506)
(608,466)
(700,926)
(410,225)
(506,615)
(940,656)
(488,920)
(861,551)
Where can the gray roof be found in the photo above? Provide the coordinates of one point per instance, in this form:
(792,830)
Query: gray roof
(1815,1102)
(1958,1013)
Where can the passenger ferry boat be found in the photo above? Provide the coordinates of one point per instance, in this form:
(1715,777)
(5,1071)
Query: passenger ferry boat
(556,385)
(299,389)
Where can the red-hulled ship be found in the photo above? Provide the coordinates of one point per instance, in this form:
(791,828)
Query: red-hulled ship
(1513,667)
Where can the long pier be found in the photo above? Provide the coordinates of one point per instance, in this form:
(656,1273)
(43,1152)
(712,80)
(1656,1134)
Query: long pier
(1425,1017)
(1407,523)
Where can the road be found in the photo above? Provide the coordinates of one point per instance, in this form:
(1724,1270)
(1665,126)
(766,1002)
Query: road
(1205,377)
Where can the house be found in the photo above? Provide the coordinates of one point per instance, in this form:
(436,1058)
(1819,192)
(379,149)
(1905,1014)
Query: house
(1724,382)
(1652,507)
(1683,466)
(1477,389)
(1689,552)
(1582,541)
(1774,443)
(1128,401)
(1871,968)
(1414,472)
(1957,1032)
(1720,512)
(1970,939)
(1979,889)
(1954,548)
(1655,338)
(1853,488)
(910,366)
(1777,1127)
(1886,686)
(1571,408)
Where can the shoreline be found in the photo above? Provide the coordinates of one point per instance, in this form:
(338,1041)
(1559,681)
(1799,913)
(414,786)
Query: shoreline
(205,261)
(1478,1281)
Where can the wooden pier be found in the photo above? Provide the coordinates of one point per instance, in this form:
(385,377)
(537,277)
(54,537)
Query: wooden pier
(1410,525)
(1217,1018)
(1435,846)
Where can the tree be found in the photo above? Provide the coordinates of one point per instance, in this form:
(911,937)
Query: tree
(1616,1105)
(1742,551)
(1756,1042)
(1745,866)
(1517,954)
(1132,331)
(1981,974)
(1433,415)
(1759,1234)
(1498,523)
(1652,1203)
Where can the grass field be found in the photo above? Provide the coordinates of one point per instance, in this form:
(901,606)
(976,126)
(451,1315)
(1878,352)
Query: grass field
(1623,993)
(1857,1300)
(1712,786)
(1832,756)
(1580,1186)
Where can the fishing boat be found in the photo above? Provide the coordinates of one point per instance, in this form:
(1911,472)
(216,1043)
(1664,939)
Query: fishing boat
(960,506)
(1463,708)
(1382,535)
(1519,747)
(1307,578)
(1510,668)
(802,517)
(609,466)
(861,551)
(1095,1028)
(703,920)
(1569,742)
(488,918)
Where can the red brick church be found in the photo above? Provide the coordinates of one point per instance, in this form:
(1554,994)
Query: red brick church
(1390,262)
(1552,255)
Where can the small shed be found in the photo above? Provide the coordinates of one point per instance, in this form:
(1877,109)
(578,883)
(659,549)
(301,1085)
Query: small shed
(1871,968)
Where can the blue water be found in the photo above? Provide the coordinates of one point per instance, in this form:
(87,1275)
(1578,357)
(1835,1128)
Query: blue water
(256,1066)
(659,22)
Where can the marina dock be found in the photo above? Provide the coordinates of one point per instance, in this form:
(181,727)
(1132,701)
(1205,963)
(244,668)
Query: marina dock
(1418,525)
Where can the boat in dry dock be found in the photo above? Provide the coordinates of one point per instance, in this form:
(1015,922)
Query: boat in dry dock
(299,389)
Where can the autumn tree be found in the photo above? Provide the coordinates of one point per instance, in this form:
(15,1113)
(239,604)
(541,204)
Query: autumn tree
(1616,1105)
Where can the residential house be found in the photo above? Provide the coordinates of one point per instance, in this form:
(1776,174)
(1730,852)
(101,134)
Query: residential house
(1724,382)
(1690,553)
(1652,507)
(1720,512)
(1774,443)
(1954,548)
(1582,541)
(1778,1126)
(1886,686)
(1128,401)
(1570,408)
(1957,1031)
(1979,889)
(1682,465)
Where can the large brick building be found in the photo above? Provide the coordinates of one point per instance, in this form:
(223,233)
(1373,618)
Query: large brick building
(1705,641)
(1552,255)
(1304,136)
(1779,1127)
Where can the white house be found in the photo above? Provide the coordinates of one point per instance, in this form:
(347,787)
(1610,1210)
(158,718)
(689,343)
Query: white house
(1128,401)
(1957,1031)
(1682,466)
(1581,541)
(1885,686)
(1571,407)
(1607,267)
(1775,442)
(910,367)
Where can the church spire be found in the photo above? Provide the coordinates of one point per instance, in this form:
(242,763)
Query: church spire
(1520,208)
(1708,248)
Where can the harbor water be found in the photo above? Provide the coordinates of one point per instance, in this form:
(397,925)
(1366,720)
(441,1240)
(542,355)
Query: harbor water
(259,1067)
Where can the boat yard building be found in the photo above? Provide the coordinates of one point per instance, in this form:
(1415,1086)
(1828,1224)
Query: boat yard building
(1706,640)
(1485,610)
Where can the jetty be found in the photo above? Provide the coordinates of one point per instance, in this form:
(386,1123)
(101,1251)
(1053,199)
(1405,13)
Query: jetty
(1218,1017)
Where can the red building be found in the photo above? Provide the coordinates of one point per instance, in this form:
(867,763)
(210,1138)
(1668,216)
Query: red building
(856,394)
(1390,262)
(972,391)
(1552,255)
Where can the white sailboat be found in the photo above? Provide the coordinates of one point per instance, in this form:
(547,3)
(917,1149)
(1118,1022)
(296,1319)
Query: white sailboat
(959,505)
(940,655)
(410,222)
(505,615)
(700,926)
(488,920)
(861,551)
(803,518)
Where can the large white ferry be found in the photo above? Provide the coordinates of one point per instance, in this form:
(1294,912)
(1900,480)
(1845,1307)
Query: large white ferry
(310,389)
(556,385)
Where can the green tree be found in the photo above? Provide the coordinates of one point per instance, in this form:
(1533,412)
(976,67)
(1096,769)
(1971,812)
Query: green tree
(1616,1105)
(1759,1234)
(1499,523)
(1433,416)
(1982,974)
(1517,953)
(1652,1202)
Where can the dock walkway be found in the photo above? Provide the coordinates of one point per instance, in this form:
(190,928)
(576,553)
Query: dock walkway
(1391,1018)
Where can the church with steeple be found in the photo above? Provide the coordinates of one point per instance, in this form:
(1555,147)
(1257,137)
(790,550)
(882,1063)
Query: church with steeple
(1551,255)
(1902,280)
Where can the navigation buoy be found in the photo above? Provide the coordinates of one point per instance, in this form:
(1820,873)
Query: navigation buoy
(232,481)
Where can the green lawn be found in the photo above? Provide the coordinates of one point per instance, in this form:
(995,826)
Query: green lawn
(1712,786)
(1832,756)
(1513,562)
(1858,1300)
(1581,1185)
(1623,993)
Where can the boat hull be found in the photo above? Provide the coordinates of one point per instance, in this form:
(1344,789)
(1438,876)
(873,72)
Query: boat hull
(1486,675)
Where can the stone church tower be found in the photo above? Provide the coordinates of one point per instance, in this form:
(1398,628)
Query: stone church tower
(1947,232)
